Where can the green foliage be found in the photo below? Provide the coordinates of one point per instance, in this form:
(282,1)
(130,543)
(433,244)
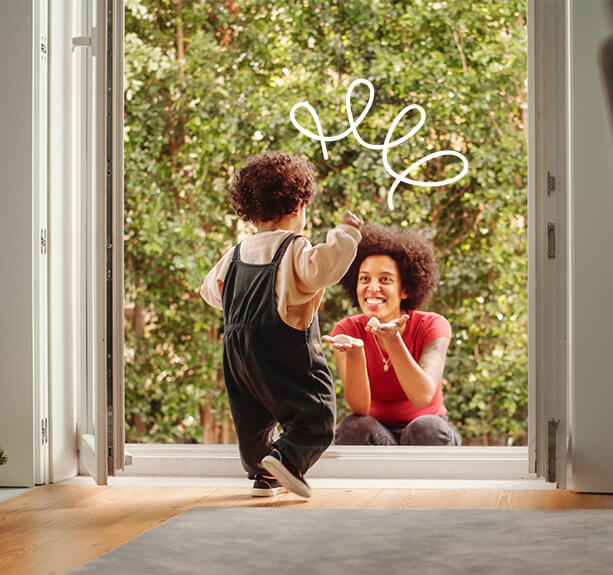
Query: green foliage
(209,83)
(3,457)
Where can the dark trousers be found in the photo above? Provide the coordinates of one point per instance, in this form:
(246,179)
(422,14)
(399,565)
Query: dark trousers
(423,430)
(274,374)
(305,410)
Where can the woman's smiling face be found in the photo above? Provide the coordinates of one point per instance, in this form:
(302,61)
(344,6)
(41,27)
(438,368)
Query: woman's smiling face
(379,288)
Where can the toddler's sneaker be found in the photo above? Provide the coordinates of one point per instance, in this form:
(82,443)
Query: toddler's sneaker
(266,487)
(286,476)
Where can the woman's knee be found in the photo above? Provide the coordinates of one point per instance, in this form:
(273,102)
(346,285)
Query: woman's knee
(363,430)
(352,428)
(430,430)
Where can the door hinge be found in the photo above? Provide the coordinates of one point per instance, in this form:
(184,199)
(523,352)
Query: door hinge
(44,431)
(551,240)
(552,457)
(44,48)
(551,183)
(43,241)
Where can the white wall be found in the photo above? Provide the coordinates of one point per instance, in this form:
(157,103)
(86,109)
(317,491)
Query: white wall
(591,254)
(17,426)
(25,374)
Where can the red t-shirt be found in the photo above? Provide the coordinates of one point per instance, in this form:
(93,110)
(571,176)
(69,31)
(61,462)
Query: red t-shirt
(388,402)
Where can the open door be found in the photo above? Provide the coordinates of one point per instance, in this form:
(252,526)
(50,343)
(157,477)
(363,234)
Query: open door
(99,93)
(547,239)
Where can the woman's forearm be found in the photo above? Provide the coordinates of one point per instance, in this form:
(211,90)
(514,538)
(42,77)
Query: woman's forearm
(354,375)
(417,384)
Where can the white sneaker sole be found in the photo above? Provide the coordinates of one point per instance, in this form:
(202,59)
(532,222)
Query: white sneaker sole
(285,477)
(255,492)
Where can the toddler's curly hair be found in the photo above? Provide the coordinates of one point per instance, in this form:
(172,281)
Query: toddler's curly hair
(413,254)
(272,185)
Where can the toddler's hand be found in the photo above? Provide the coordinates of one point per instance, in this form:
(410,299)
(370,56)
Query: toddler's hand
(352,220)
(343,342)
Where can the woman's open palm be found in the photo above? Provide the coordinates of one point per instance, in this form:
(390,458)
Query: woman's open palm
(344,342)
(387,329)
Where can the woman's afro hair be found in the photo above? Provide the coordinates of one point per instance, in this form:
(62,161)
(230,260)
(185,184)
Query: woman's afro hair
(413,254)
(272,185)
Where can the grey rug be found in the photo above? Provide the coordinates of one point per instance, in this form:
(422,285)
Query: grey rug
(262,540)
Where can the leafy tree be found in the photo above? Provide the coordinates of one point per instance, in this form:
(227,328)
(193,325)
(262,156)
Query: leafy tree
(209,83)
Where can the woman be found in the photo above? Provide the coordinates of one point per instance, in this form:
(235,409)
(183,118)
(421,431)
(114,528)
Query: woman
(391,357)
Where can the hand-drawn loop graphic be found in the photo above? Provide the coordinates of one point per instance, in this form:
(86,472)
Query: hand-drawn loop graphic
(399,178)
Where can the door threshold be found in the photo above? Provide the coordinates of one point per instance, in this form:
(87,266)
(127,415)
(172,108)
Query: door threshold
(339,462)
(324,483)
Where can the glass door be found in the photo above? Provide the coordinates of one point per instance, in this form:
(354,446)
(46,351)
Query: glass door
(97,133)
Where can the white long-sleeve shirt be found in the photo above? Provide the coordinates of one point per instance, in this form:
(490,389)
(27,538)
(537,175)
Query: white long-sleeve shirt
(304,272)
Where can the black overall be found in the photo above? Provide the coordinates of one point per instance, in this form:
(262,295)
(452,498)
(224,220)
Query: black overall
(273,372)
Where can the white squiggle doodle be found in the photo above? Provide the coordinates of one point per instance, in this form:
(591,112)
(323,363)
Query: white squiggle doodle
(399,178)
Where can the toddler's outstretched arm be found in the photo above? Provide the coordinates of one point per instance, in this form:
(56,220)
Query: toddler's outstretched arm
(351,219)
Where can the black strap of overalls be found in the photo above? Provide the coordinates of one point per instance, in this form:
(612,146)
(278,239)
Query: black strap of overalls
(281,249)
(236,256)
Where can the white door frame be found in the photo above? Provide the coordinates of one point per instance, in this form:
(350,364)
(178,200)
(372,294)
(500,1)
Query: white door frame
(547,239)
(396,462)
(548,323)
(40,328)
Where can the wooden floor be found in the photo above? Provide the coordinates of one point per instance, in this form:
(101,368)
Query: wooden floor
(54,529)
